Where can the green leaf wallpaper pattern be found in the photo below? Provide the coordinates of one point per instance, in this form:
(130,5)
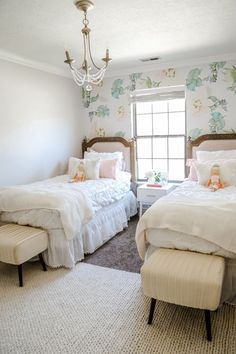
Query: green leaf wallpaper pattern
(217,103)
(195,133)
(102,112)
(193,79)
(217,122)
(117,88)
(87,98)
(120,134)
(133,81)
(231,73)
(214,70)
(149,83)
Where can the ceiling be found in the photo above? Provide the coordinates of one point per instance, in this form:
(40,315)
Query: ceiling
(132,29)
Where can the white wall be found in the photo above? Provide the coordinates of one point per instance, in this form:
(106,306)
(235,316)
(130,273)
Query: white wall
(40,124)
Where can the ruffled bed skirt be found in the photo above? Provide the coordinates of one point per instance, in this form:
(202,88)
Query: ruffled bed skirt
(107,223)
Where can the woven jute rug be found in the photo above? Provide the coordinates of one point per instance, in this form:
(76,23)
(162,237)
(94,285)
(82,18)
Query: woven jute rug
(92,309)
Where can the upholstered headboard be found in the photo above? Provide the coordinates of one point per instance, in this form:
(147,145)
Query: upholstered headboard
(112,144)
(211,142)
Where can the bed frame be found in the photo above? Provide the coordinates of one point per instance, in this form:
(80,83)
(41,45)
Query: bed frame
(211,142)
(112,144)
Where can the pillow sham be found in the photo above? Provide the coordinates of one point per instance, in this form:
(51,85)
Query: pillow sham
(109,168)
(90,167)
(215,155)
(227,171)
(91,154)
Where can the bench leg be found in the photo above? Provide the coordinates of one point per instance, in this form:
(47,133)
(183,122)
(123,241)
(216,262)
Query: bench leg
(208,324)
(20,274)
(42,262)
(152,308)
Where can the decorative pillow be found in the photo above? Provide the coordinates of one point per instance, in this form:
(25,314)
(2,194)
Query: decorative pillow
(216,155)
(89,167)
(192,172)
(227,171)
(109,168)
(91,154)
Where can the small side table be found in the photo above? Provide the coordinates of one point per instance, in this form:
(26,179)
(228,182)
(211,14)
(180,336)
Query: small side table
(148,195)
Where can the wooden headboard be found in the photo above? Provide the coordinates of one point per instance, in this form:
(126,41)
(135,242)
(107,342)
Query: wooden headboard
(112,144)
(211,142)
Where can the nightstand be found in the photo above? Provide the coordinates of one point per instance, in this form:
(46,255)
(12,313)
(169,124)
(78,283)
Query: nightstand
(148,195)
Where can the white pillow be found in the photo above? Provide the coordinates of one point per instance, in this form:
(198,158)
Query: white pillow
(91,167)
(91,154)
(216,155)
(227,171)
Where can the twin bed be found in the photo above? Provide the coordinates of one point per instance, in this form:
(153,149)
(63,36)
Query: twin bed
(79,217)
(194,218)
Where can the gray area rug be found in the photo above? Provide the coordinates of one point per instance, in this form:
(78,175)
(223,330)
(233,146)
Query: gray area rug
(120,252)
(92,309)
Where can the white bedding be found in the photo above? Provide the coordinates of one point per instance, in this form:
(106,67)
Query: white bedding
(94,195)
(192,217)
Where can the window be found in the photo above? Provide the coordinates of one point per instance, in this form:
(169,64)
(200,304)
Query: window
(159,129)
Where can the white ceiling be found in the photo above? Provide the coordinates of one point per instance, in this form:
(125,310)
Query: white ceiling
(38,30)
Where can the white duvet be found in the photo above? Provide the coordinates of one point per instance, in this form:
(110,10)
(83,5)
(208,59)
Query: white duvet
(76,203)
(193,210)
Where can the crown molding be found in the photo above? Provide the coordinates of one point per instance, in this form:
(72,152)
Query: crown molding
(148,67)
(7,56)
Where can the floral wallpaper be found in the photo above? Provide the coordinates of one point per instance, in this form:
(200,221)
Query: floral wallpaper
(210,99)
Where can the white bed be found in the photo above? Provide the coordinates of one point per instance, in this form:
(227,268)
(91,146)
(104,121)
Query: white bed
(196,219)
(79,217)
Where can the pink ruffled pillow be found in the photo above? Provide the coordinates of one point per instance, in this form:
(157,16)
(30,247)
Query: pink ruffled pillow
(192,172)
(109,168)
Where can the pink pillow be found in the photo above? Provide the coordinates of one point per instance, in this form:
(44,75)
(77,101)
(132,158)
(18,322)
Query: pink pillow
(192,172)
(109,168)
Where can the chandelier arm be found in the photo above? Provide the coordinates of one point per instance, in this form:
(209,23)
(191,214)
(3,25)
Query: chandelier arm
(90,55)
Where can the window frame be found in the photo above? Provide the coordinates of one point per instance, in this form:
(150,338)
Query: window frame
(136,136)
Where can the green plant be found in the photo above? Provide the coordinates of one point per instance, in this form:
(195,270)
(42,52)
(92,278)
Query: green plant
(157,176)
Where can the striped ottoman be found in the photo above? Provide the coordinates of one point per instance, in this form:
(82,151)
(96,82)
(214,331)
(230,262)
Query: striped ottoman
(184,278)
(19,243)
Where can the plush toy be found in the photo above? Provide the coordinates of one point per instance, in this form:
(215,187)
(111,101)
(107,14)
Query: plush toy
(80,175)
(215,182)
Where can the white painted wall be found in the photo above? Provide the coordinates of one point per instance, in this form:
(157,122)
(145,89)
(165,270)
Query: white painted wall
(40,124)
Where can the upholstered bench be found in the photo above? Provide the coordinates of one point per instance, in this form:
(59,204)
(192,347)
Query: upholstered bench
(19,243)
(184,278)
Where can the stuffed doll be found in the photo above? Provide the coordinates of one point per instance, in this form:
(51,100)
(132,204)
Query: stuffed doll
(80,175)
(215,182)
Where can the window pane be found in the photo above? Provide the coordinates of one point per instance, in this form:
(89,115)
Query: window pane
(143,165)
(177,105)
(176,170)
(144,148)
(143,107)
(160,147)
(144,124)
(160,124)
(160,165)
(160,106)
(177,123)
(176,147)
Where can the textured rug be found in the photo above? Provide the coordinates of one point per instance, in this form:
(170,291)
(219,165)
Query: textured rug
(120,252)
(92,309)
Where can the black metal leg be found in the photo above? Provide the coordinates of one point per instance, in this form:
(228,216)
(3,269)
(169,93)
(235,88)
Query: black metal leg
(20,274)
(152,308)
(208,324)
(42,262)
